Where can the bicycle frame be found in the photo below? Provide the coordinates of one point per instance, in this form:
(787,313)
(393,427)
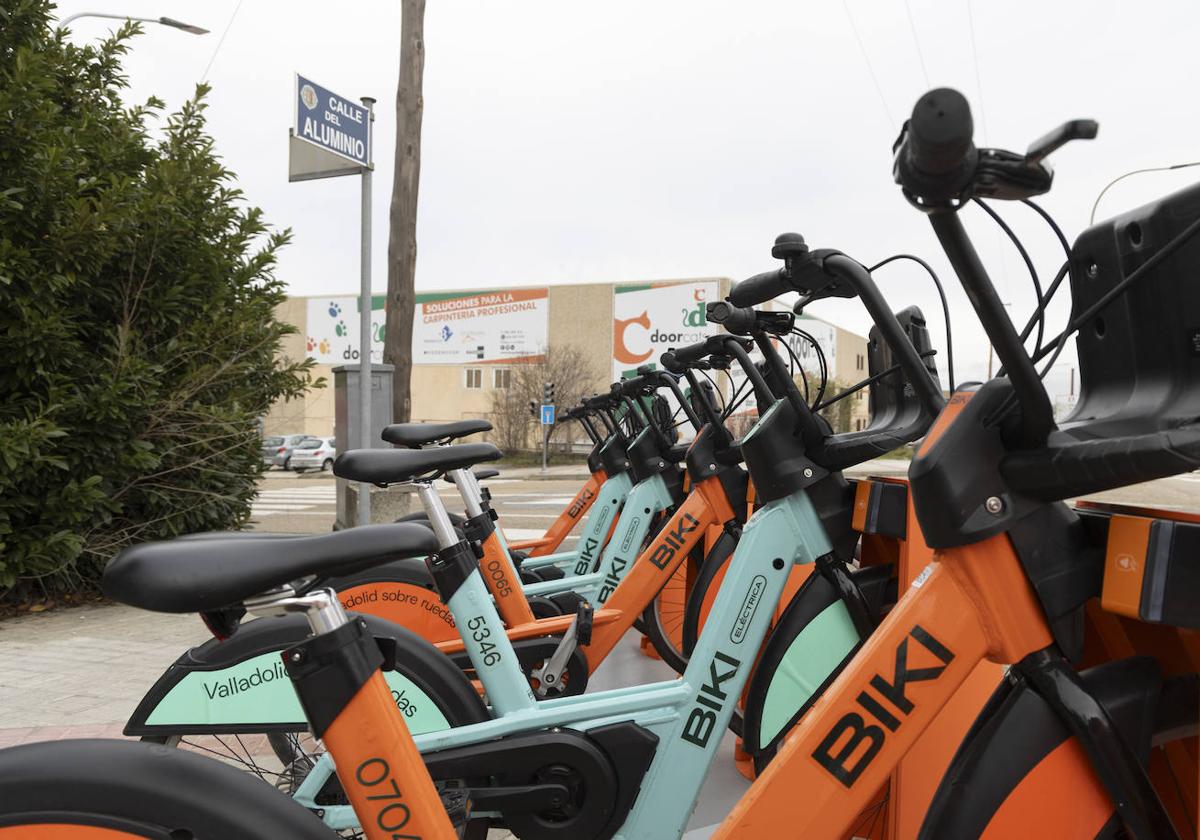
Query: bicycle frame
(404,602)
(612,496)
(566,521)
(687,715)
(628,581)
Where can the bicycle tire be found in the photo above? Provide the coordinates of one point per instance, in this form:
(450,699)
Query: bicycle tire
(140,790)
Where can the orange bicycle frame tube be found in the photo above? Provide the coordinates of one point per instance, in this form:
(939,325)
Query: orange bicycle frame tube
(704,506)
(504,582)
(972,603)
(381,770)
(566,521)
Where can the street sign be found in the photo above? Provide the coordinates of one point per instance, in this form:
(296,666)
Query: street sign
(333,122)
(547,415)
(330,136)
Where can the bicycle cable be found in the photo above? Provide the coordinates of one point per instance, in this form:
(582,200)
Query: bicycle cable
(794,360)
(1037,285)
(822,364)
(945,306)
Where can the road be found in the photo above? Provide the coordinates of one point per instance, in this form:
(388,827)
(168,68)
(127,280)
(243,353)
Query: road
(527,502)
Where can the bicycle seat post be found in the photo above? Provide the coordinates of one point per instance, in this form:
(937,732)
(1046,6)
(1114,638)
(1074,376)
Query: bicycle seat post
(443,528)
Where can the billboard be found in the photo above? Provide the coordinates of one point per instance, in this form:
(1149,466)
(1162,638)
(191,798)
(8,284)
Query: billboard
(471,327)
(649,319)
(332,329)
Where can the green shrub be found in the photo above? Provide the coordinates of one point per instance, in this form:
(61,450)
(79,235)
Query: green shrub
(138,343)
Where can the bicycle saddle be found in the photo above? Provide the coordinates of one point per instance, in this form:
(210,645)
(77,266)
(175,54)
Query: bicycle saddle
(416,435)
(392,466)
(182,576)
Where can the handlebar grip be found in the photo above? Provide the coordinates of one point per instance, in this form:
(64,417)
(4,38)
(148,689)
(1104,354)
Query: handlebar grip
(940,133)
(689,354)
(739,320)
(634,386)
(760,288)
(671,363)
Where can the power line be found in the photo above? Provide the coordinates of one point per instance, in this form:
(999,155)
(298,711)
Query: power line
(912,25)
(217,48)
(978,79)
(867,60)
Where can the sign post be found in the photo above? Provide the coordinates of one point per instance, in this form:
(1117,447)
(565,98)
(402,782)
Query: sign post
(365,382)
(547,420)
(331,136)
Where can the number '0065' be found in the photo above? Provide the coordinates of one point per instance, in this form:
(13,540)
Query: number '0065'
(393,816)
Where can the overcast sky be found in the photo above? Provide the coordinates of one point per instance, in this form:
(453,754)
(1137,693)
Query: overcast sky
(569,143)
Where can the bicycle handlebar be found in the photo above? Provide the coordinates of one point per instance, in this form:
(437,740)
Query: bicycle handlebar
(760,287)
(938,167)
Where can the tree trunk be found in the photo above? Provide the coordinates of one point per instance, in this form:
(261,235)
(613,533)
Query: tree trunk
(402,218)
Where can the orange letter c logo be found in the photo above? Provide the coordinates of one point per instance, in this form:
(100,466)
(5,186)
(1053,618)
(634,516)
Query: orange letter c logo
(622,353)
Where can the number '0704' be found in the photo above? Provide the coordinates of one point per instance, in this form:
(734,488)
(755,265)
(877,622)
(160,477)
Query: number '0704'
(394,815)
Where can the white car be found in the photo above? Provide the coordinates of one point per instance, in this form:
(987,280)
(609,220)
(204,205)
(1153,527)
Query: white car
(313,453)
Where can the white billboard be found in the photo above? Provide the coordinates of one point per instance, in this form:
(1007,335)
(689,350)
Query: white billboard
(332,329)
(496,326)
(649,319)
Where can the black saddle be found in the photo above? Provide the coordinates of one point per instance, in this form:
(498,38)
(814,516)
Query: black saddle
(392,466)
(195,575)
(416,435)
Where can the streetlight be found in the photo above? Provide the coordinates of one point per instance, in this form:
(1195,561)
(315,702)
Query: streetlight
(165,21)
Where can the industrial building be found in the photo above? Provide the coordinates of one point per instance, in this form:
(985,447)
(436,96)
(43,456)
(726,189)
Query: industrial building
(469,346)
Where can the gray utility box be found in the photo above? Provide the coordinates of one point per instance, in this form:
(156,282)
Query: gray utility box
(347,423)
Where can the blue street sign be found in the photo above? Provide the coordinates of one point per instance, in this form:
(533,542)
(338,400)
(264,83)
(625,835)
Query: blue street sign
(547,415)
(331,122)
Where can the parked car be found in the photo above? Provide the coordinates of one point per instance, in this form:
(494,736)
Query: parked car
(277,450)
(314,453)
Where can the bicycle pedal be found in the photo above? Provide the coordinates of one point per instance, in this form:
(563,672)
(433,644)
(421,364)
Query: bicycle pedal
(456,799)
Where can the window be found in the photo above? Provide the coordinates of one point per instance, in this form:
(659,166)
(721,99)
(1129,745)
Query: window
(501,378)
(858,361)
(474,377)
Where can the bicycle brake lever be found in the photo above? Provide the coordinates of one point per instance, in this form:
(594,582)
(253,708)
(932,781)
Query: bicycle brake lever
(1051,142)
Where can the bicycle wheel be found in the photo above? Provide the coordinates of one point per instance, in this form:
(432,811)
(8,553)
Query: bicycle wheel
(283,760)
(109,789)
(662,620)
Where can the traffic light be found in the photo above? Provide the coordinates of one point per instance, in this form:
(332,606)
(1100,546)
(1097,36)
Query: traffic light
(548,393)
(533,410)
